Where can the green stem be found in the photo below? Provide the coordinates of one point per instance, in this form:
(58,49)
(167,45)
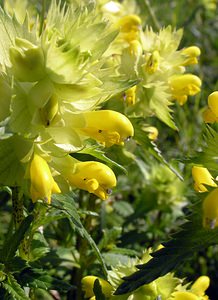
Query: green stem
(18,216)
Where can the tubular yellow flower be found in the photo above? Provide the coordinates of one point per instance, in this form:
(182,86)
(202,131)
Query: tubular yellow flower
(191,54)
(200,285)
(88,284)
(130,96)
(107,127)
(135,48)
(213,103)
(202,177)
(183,86)
(210,210)
(94,177)
(42,182)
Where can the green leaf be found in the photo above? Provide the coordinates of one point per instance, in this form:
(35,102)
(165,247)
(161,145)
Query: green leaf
(123,208)
(98,291)
(14,289)
(38,278)
(11,245)
(12,151)
(191,238)
(99,154)
(67,205)
(209,154)
(9,29)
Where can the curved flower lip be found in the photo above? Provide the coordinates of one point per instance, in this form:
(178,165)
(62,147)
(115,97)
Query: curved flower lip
(201,178)
(94,177)
(107,127)
(200,285)
(42,182)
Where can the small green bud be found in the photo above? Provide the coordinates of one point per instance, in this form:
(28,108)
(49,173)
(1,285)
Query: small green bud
(27,61)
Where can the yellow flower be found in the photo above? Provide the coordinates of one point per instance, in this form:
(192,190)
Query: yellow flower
(152,132)
(107,127)
(42,182)
(191,54)
(130,96)
(152,62)
(183,86)
(202,177)
(184,295)
(210,115)
(94,177)
(200,285)
(88,284)
(129,27)
(210,210)
(197,291)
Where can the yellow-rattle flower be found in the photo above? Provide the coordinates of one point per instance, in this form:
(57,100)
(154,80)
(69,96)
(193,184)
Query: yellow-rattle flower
(183,86)
(107,127)
(210,210)
(191,53)
(94,177)
(42,183)
(210,115)
(201,178)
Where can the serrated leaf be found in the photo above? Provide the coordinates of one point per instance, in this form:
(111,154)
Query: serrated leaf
(67,205)
(11,245)
(209,154)
(13,288)
(37,278)
(191,238)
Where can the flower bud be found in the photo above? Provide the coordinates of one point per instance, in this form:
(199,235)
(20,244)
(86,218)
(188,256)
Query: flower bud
(210,210)
(27,61)
(88,285)
(42,182)
(94,177)
(183,86)
(107,127)
(202,177)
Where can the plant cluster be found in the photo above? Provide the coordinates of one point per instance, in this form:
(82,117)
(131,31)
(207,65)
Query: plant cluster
(87,91)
